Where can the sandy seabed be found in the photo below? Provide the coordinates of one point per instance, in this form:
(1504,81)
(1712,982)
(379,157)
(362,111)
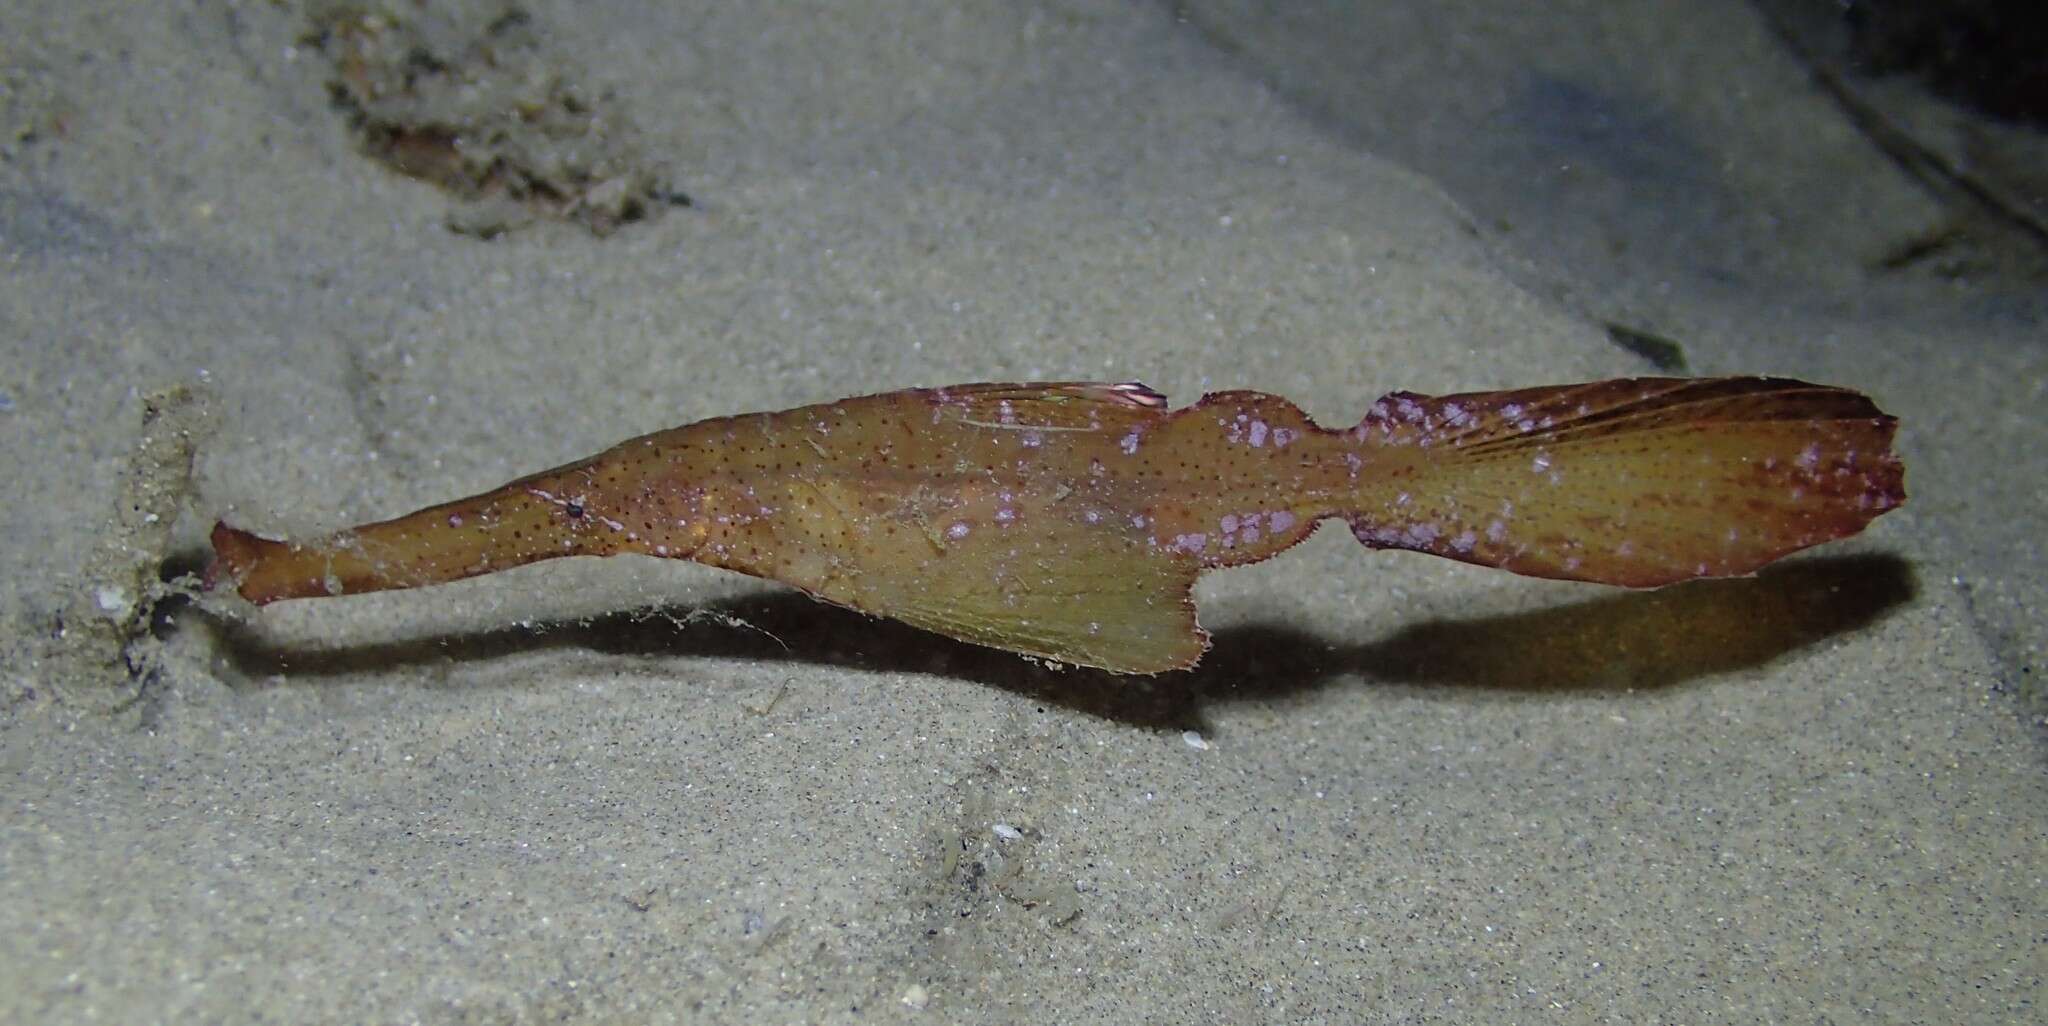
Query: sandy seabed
(1398,789)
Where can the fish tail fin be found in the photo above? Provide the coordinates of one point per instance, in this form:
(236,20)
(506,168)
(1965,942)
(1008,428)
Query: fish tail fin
(1638,482)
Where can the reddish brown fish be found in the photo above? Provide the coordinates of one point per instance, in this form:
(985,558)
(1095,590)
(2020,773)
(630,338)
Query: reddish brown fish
(1069,521)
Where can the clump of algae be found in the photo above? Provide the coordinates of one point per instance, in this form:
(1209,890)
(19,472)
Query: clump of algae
(468,99)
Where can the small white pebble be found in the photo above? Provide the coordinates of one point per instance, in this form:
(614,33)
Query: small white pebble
(1007,832)
(915,995)
(112,599)
(1194,739)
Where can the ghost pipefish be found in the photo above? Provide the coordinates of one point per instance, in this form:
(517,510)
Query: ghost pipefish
(1068,521)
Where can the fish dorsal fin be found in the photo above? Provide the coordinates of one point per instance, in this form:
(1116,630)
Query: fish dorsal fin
(1050,406)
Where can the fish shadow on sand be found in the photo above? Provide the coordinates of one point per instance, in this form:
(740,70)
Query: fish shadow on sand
(1617,642)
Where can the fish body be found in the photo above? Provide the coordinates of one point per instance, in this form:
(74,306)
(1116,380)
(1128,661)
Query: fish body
(1069,520)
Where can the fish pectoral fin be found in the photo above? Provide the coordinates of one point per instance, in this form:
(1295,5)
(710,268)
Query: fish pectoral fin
(1081,597)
